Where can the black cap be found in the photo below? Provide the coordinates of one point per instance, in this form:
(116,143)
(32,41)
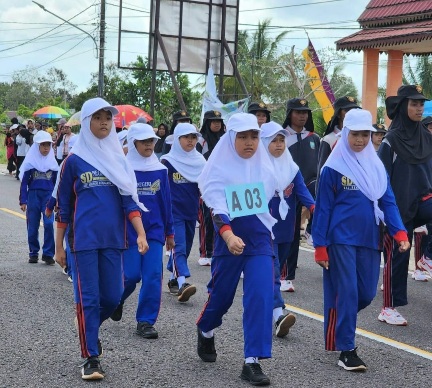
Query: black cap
(212,115)
(181,114)
(342,103)
(427,120)
(299,104)
(412,92)
(258,106)
(380,128)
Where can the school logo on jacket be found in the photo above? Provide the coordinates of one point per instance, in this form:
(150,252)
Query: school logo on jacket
(288,191)
(312,144)
(348,184)
(148,188)
(42,175)
(179,178)
(94,178)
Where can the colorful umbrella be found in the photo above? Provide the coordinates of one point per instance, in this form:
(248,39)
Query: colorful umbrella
(75,119)
(51,112)
(129,113)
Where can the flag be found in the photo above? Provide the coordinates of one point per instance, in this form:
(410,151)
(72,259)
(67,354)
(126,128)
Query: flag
(212,102)
(318,81)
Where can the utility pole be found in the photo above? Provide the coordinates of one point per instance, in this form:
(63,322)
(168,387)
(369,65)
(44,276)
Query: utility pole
(101,86)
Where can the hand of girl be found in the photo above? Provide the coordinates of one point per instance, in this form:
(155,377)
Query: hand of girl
(235,244)
(323,263)
(23,207)
(404,246)
(169,243)
(142,244)
(60,256)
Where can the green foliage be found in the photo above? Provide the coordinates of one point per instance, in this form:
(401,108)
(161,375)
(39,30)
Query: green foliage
(419,72)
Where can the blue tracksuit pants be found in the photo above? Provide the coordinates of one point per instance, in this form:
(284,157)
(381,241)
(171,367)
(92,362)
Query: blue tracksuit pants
(184,231)
(147,268)
(350,285)
(98,288)
(280,250)
(36,204)
(258,284)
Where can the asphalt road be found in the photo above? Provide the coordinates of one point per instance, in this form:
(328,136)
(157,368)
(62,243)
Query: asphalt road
(39,344)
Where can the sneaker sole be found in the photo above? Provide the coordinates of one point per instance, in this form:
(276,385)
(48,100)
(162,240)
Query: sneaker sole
(286,324)
(390,323)
(288,290)
(360,368)
(186,294)
(93,376)
(424,268)
(255,383)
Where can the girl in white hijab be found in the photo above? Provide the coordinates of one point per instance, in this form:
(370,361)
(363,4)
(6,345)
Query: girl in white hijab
(354,195)
(38,174)
(97,189)
(184,164)
(237,184)
(291,188)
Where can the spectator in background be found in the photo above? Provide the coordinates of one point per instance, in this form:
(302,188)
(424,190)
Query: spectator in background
(57,146)
(9,144)
(378,136)
(22,141)
(162,132)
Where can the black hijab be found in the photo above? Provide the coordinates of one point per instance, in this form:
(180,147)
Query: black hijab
(211,137)
(160,142)
(409,139)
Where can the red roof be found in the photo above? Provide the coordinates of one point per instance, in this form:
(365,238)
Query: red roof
(393,25)
(408,34)
(387,12)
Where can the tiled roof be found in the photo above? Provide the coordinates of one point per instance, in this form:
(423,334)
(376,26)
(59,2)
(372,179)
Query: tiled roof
(387,12)
(387,37)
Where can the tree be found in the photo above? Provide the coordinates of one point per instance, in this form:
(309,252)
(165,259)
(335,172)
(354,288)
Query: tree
(419,73)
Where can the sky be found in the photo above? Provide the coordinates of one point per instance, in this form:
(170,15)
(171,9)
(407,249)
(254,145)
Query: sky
(29,36)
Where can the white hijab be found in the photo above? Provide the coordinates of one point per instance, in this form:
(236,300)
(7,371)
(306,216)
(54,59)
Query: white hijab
(189,164)
(284,166)
(34,158)
(225,167)
(140,163)
(106,154)
(364,168)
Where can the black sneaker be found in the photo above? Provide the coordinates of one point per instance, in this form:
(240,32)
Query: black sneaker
(254,374)
(173,287)
(33,259)
(185,292)
(48,260)
(118,313)
(283,325)
(146,330)
(350,361)
(206,348)
(91,369)
(100,348)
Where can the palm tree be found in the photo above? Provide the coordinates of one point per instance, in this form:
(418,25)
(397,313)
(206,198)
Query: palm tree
(419,73)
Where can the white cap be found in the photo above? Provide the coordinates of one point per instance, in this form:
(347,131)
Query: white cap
(140,131)
(13,126)
(358,120)
(271,129)
(241,122)
(94,104)
(183,129)
(42,137)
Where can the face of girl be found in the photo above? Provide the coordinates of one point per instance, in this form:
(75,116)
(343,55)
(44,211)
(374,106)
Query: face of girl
(415,109)
(215,125)
(101,123)
(188,142)
(261,117)
(358,140)
(377,138)
(44,148)
(145,147)
(298,119)
(161,131)
(246,143)
(277,146)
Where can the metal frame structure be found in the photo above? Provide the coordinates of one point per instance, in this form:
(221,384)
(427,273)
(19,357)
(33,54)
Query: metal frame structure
(161,57)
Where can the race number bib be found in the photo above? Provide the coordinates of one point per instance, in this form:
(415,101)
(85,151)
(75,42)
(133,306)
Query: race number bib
(246,199)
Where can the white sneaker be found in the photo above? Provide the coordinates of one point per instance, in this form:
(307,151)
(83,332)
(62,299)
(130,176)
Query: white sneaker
(167,253)
(419,275)
(421,229)
(382,287)
(425,264)
(309,240)
(391,316)
(204,261)
(287,286)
